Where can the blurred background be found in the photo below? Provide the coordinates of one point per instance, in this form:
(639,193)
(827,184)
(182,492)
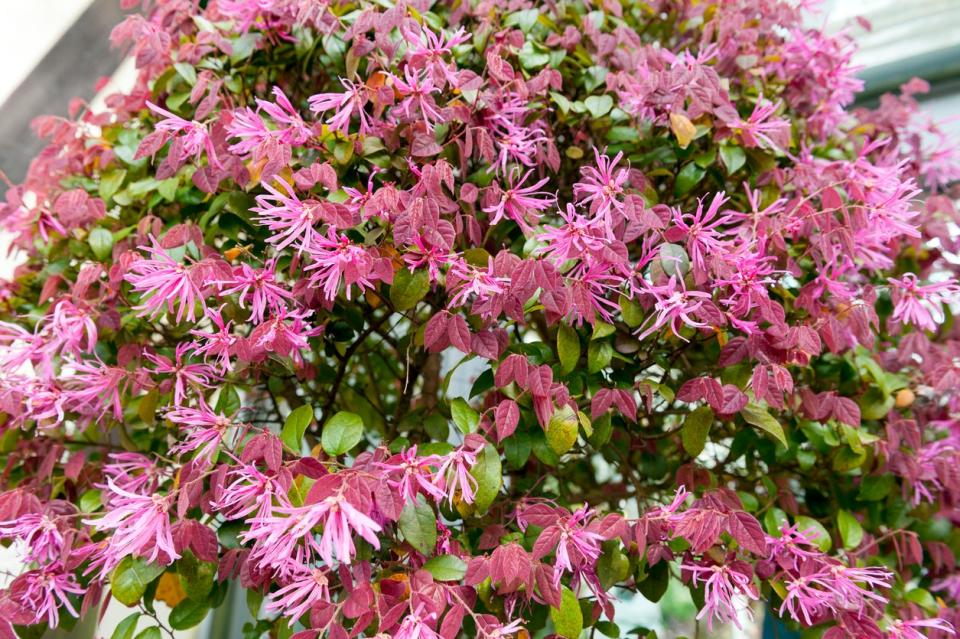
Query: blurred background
(56,50)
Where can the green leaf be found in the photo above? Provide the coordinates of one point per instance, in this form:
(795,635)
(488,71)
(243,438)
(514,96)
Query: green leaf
(295,426)
(851,532)
(101,242)
(418,523)
(631,311)
(674,259)
(446,568)
(254,600)
(562,102)
(612,566)
(696,427)
(562,430)
(568,618)
(186,71)
(773,520)
(585,423)
(372,144)
(923,598)
(593,77)
(875,404)
(343,152)
(607,629)
(532,58)
(196,577)
(110,182)
(517,450)
(568,348)
(342,432)
(601,329)
(482,384)
(599,355)
(848,459)
(602,430)
(816,530)
(689,176)
(466,419)
(542,450)
(242,47)
(656,582)
(409,288)
(168,188)
(437,427)
(732,157)
(188,613)
(149,633)
(126,628)
(598,105)
(129,580)
(90,501)
(619,134)
(875,487)
(488,472)
(228,402)
(758,416)
(524,20)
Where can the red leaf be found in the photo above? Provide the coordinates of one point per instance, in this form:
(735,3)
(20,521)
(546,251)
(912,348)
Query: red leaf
(459,333)
(733,352)
(485,344)
(206,179)
(733,400)
(701,528)
(540,515)
(151,144)
(706,388)
(453,622)
(513,369)
(601,402)
(546,542)
(747,531)
(808,341)
(759,382)
(478,569)
(436,335)
(360,600)
(690,391)
(506,416)
(549,591)
(846,411)
(612,526)
(713,393)
(73,467)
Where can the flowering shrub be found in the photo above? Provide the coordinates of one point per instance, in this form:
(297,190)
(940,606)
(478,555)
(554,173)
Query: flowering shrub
(707,307)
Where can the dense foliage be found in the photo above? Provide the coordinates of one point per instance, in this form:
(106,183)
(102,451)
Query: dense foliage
(707,307)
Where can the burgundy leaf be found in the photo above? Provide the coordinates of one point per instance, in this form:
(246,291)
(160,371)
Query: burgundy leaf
(436,335)
(506,416)
(733,400)
(514,368)
(846,411)
(459,333)
(747,531)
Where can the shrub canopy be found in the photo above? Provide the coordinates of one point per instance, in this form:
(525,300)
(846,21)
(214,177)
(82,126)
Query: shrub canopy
(705,306)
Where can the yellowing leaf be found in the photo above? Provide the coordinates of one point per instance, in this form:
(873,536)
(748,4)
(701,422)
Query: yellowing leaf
(683,128)
(169,590)
(562,430)
(568,618)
